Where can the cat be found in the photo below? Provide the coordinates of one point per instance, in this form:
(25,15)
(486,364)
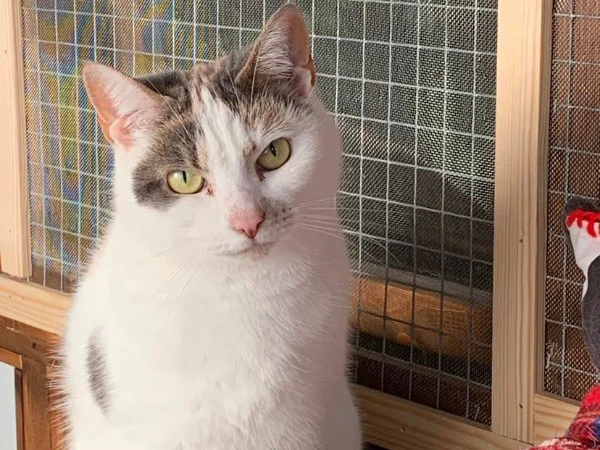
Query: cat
(214,312)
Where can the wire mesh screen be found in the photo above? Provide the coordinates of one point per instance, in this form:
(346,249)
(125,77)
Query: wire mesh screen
(574,165)
(414,95)
(412,86)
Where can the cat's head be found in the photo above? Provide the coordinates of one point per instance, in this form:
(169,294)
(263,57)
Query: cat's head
(227,153)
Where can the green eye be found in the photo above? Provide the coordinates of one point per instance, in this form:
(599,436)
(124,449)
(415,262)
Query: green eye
(184,182)
(275,155)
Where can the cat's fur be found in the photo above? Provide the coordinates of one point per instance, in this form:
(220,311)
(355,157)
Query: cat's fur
(185,334)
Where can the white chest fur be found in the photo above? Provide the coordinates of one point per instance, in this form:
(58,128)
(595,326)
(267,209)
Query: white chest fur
(222,361)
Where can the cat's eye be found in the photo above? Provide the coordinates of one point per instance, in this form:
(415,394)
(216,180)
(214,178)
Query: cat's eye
(183,182)
(275,155)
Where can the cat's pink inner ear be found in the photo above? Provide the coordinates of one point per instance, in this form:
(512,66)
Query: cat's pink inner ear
(123,105)
(283,51)
(304,72)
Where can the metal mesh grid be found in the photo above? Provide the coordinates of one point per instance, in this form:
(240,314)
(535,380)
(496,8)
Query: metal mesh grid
(574,165)
(414,95)
(412,86)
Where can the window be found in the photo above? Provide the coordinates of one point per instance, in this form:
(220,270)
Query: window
(443,111)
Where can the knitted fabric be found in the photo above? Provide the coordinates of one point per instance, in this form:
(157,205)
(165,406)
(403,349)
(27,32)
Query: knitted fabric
(582,221)
(584,432)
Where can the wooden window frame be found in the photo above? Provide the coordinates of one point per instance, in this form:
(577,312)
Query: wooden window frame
(15,242)
(522,121)
(521,415)
(15,361)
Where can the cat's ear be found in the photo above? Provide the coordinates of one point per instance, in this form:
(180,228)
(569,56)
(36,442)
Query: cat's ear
(282,51)
(125,107)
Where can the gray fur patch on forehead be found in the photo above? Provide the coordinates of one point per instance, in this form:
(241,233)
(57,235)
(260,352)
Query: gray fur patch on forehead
(174,148)
(172,84)
(258,99)
(174,141)
(260,102)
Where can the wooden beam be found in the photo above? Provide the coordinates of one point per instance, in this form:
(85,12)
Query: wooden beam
(26,341)
(14,195)
(30,316)
(33,305)
(552,417)
(46,310)
(370,295)
(58,419)
(19,409)
(11,358)
(522,114)
(398,424)
(36,422)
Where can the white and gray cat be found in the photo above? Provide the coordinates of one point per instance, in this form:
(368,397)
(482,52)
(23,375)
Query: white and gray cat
(214,313)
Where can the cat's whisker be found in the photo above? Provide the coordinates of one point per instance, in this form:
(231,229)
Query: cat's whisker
(315,203)
(256,63)
(338,235)
(263,95)
(234,86)
(336,217)
(195,270)
(324,199)
(352,208)
(169,283)
(140,265)
(334,221)
(173,275)
(349,243)
(343,213)
(170,279)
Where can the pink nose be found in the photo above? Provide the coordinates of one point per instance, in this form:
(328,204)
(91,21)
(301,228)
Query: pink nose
(246,221)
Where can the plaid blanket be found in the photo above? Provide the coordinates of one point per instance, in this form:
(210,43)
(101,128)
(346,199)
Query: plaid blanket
(584,432)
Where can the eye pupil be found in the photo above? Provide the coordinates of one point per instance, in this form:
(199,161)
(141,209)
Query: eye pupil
(274,155)
(184,182)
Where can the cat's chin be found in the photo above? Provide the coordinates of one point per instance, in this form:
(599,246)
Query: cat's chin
(250,250)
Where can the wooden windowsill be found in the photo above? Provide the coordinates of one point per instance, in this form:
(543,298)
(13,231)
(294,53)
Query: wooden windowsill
(32,305)
(552,416)
(399,424)
(31,320)
(46,310)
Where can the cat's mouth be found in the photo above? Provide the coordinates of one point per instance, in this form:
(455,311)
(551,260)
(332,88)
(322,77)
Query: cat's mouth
(253,249)
(263,243)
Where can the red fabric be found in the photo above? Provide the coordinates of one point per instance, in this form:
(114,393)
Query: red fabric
(584,432)
(580,215)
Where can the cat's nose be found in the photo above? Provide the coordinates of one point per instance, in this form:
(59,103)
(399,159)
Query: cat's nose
(247,221)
